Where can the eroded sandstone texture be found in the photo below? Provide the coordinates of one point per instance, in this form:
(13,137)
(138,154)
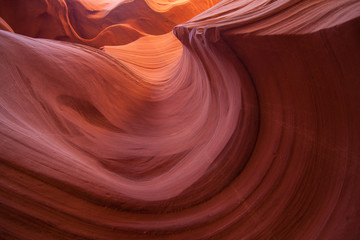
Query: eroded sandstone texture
(246,128)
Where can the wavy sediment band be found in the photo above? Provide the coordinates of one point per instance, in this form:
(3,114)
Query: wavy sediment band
(242,123)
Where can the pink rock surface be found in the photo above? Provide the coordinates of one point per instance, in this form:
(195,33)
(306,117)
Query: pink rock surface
(246,128)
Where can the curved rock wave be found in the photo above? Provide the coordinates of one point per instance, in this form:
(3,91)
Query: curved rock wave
(245,129)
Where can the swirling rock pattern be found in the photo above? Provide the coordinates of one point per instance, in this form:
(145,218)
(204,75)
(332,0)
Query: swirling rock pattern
(246,128)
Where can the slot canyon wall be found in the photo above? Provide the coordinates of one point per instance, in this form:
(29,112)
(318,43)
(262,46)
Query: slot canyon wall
(180,119)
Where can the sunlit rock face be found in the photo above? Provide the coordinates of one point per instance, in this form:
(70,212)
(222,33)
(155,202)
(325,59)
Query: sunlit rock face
(186,119)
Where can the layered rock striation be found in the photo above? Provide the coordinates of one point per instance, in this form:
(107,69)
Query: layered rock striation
(179,119)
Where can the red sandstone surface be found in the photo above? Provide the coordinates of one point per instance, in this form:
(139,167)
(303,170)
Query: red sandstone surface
(180,119)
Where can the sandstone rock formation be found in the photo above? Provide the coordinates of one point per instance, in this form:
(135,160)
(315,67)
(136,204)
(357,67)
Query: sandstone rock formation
(186,119)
